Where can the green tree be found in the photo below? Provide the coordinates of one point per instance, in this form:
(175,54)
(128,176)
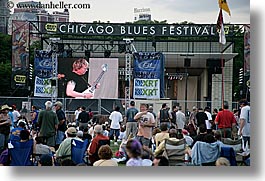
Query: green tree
(5,64)
(5,48)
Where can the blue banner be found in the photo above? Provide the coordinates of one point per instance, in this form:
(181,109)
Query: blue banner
(150,65)
(43,64)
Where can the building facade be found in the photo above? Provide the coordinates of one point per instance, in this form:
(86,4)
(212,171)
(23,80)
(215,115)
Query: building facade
(4,15)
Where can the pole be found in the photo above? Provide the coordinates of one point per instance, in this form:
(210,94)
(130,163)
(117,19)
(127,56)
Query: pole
(186,89)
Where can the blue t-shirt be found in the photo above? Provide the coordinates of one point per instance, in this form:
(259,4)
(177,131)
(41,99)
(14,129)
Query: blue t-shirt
(35,120)
(130,113)
(10,114)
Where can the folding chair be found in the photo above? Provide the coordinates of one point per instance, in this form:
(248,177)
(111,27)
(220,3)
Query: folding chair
(21,153)
(236,145)
(229,153)
(175,151)
(205,154)
(78,151)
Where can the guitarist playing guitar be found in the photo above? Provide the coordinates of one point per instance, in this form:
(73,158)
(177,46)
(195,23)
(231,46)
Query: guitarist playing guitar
(77,85)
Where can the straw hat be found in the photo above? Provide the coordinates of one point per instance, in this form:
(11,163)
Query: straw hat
(5,107)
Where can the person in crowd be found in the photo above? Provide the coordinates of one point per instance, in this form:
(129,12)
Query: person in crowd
(151,110)
(134,151)
(192,123)
(245,119)
(222,161)
(105,154)
(40,147)
(95,144)
(173,134)
(83,119)
(146,123)
(236,115)
(153,140)
(10,114)
(5,123)
(180,120)
(105,130)
(122,133)
(24,135)
(86,135)
(225,120)
(48,123)
(214,114)
(90,114)
(15,113)
(46,160)
(64,150)
(201,117)
(34,117)
(160,161)
(218,137)
(209,121)
(15,132)
(77,111)
(164,116)
(188,138)
(173,114)
(80,134)
(201,135)
(159,137)
(131,123)
(62,123)
(116,120)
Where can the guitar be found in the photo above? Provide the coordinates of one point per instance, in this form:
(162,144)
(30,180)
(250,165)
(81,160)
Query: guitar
(91,90)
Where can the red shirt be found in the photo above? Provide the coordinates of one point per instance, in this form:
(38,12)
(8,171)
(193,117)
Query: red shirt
(225,119)
(94,146)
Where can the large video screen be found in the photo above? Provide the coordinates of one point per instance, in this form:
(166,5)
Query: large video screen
(88,79)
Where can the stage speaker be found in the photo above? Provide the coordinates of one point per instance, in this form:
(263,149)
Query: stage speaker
(121,48)
(107,53)
(187,62)
(87,54)
(214,63)
(60,47)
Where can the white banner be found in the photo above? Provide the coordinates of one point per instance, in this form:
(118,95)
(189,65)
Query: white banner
(43,87)
(146,88)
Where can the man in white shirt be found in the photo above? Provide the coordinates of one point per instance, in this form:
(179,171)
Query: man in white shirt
(208,122)
(116,119)
(180,119)
(15,113)
(244,128)
(77,111)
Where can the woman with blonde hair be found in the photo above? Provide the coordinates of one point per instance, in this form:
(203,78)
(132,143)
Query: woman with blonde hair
(222,161)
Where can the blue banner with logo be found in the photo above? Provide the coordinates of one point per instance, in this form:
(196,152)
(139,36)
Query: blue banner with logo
(43,64)
(149,65)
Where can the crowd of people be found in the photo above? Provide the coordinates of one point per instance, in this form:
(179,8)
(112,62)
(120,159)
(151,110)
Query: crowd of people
(142,136)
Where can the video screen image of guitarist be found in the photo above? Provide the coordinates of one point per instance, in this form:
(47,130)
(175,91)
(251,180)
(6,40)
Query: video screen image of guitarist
(74,82)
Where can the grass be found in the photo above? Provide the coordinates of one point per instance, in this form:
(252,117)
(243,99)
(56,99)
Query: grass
(115,148)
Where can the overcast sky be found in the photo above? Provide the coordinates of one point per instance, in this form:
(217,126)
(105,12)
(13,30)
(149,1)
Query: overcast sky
(120,11)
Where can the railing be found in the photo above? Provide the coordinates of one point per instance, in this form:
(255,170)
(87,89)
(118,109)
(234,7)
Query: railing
(104,106)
